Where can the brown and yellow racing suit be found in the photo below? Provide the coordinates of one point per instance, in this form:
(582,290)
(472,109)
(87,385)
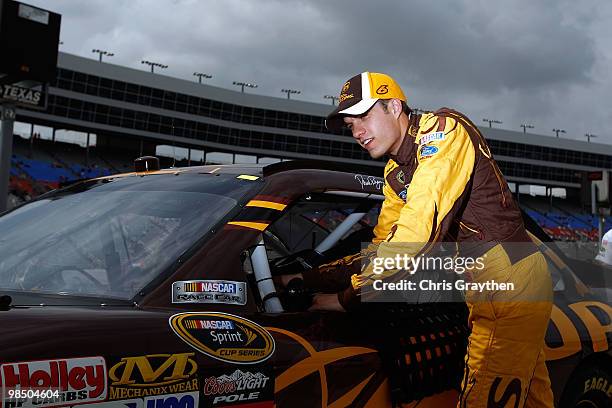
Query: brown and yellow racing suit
(443,185)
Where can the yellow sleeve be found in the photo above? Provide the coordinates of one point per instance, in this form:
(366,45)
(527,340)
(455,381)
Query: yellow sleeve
(445,166)
(390,209)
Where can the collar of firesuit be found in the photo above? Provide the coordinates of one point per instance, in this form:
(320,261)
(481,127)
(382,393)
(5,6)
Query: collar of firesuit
(407,151)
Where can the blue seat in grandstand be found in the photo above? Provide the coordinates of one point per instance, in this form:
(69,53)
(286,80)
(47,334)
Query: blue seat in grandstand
(560,219)
(91,173)
(88,172)
(76,168)
(43,171)
(557,219)
(577,223)
(593,221)
(541,219)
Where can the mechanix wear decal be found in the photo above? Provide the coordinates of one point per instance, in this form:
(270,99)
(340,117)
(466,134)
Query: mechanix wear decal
(152,374)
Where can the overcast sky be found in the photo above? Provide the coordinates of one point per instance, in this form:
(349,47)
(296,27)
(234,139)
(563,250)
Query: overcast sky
(546,63)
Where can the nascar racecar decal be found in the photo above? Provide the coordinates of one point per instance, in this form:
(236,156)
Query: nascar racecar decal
(209,291)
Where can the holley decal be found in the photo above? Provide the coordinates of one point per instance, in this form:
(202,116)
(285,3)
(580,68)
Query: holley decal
(78,380)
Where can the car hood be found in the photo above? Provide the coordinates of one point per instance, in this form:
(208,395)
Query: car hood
(40,332)
(29,298)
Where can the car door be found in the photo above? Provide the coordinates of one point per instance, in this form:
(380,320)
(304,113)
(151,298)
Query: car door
(404,352)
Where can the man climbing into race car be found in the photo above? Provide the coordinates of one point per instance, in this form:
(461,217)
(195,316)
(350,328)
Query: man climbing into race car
(442,183)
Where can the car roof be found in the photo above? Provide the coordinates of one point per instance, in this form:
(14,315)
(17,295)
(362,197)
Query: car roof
(260,170)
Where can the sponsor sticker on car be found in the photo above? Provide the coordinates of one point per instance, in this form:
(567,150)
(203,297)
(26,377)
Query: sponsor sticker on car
(181,400)
(152,374)
(233,388)
(53,382)
(224,336)
(131,403)
(209,291)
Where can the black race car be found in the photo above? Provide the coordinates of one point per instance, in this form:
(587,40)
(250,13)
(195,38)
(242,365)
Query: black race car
(155,289)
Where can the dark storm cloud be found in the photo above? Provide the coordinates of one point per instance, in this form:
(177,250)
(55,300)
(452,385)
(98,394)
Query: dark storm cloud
(546,62)
(449,44)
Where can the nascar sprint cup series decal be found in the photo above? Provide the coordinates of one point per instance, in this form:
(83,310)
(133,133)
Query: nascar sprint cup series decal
(224,336)
(209,291)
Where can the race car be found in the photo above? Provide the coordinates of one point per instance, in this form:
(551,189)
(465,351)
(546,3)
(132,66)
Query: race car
(158,289)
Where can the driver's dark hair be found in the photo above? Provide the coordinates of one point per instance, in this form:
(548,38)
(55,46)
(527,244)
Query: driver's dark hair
(385,104)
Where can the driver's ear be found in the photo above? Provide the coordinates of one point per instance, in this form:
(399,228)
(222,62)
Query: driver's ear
(396,107)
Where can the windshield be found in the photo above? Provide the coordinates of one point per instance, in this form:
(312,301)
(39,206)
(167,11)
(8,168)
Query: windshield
(111,238)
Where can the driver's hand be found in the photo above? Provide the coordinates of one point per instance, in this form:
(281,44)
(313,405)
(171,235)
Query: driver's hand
(324,301)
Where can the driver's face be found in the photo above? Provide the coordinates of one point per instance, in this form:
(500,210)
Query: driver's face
(376,131)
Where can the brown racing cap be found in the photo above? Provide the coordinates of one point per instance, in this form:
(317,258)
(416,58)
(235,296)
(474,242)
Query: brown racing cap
(360,93)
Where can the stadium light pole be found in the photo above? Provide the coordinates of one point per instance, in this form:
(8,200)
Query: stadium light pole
(491,121)
(201,75)
(332,97)
(290,91)
(153,65)
(7,122)
(101,53)
(525,127)
(557,131)
(243,85)
(589,136)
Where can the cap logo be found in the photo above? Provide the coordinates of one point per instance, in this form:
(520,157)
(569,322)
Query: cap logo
(344,97)
(383,89)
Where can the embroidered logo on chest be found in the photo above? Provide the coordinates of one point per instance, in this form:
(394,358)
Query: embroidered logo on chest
(428,151)
(400,177)
(431,137)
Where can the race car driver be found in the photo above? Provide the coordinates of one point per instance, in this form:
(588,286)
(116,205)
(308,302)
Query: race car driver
(442,184)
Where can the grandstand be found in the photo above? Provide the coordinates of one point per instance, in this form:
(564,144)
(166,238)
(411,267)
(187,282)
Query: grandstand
(133,113)
(42,166)
(563,221)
